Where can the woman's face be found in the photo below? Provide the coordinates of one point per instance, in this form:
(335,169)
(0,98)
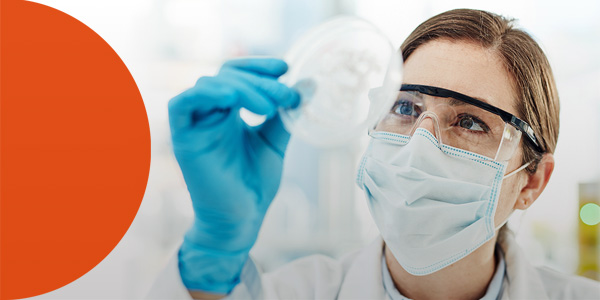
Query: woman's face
(469,69)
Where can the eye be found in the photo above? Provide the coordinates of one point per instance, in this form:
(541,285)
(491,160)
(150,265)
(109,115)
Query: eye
(472,123)
(405,108)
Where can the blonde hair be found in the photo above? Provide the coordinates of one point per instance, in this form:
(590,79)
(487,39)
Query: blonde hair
(537,98)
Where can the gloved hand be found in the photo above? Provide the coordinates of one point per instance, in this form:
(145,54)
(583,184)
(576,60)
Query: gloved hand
(232,170)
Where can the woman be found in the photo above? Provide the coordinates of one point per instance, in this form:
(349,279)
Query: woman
(468,141)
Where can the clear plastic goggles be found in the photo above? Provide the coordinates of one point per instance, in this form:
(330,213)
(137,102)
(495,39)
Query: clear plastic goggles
(456,120)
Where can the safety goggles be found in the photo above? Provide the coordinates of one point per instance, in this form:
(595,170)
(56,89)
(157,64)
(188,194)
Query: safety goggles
(458,120)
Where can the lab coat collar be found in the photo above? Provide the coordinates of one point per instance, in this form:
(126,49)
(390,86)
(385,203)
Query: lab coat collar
(364,279)
(522,279)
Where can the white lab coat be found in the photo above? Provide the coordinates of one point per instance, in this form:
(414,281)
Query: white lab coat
(359,276)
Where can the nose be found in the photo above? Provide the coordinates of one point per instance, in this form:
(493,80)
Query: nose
(430,122)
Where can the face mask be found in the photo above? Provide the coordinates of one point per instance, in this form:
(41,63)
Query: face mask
(433,207)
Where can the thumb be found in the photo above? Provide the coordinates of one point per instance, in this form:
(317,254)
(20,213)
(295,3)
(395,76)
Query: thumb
(274,134)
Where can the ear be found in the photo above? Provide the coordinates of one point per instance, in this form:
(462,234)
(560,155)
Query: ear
(536,182)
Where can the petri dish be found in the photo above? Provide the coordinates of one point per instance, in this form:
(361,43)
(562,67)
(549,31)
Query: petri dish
(347,73)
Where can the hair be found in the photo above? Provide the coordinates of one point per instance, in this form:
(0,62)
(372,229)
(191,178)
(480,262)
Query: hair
(536,95)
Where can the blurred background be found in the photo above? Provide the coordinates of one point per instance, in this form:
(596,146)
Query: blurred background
(168,44)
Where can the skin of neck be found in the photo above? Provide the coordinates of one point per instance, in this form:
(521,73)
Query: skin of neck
(467,278)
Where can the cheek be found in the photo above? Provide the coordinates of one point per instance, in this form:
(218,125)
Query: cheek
(509,192)
(508,198)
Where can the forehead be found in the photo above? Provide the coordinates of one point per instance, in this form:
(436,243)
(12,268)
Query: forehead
(463,67)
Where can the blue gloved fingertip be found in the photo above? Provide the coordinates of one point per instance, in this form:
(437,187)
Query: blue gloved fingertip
(296,99)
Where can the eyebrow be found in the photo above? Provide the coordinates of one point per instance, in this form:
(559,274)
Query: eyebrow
(457,102)
(454,99)
(481,99)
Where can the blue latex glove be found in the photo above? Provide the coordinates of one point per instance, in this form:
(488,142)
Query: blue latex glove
(232,170)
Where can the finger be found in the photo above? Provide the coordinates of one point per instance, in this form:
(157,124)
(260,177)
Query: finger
(279,94)
(265,66)
(273,132)
(210,94)
(250,97)
(211,99)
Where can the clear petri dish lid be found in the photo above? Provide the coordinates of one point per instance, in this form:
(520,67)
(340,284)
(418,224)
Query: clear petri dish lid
(347,73)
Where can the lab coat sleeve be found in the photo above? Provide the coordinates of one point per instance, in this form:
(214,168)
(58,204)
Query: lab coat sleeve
(169,285)
(313,277)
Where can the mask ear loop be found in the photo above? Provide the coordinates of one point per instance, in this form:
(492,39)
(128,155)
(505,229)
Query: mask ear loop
(516,171)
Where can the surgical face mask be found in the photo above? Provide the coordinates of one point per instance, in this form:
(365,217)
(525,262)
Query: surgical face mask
(433,204)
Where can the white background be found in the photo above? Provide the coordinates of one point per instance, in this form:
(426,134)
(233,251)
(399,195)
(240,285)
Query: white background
(168,44)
